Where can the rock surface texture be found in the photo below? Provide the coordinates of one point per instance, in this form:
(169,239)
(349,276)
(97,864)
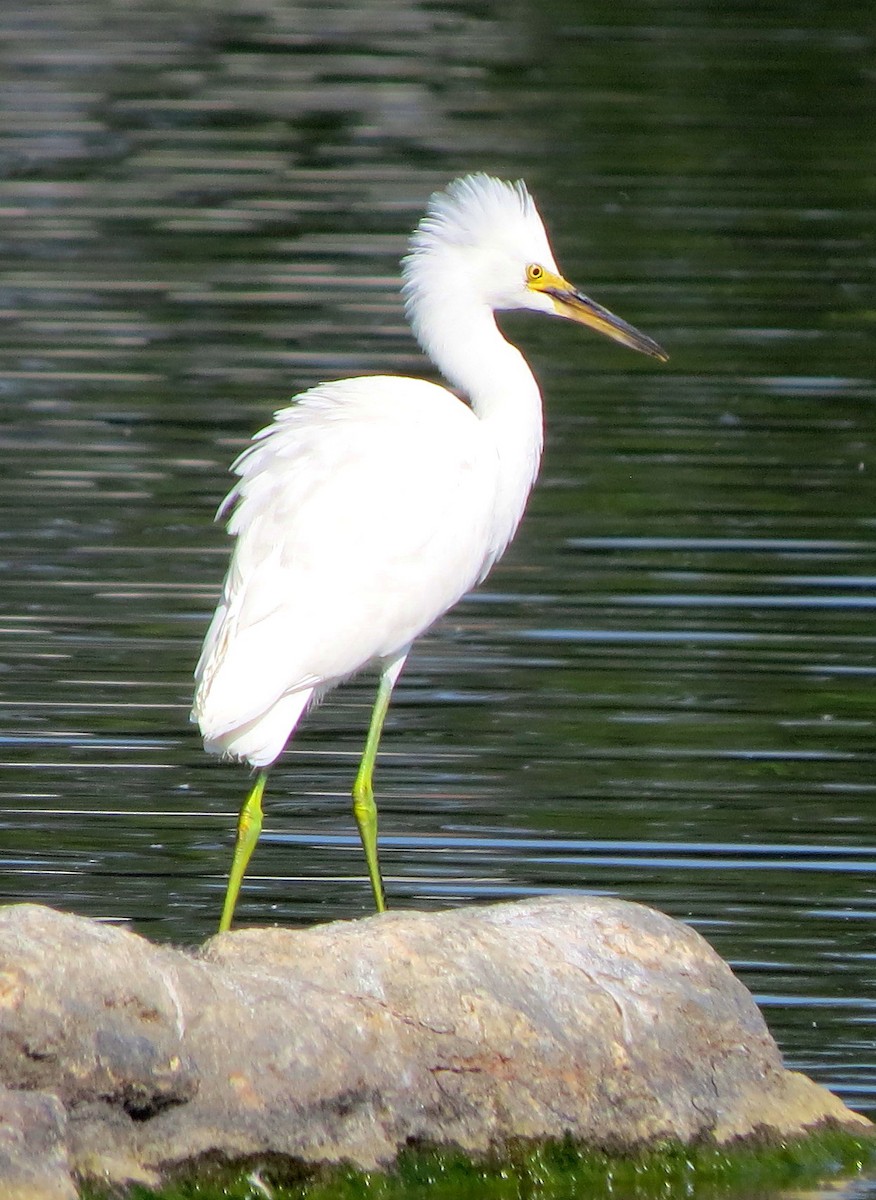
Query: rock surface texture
(346,1042)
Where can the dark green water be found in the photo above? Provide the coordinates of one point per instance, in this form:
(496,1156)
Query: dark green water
(665,691)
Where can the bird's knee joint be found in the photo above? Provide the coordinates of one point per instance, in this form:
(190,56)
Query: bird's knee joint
(363,803)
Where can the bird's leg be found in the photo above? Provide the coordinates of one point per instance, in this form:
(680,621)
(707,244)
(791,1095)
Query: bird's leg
(364,808)
(249,826)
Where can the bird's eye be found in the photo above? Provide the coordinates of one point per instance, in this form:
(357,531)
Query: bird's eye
(534,273)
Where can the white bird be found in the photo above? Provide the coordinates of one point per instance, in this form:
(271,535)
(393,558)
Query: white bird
(370,506)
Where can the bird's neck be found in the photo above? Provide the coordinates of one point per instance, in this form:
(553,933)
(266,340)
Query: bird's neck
(468,348)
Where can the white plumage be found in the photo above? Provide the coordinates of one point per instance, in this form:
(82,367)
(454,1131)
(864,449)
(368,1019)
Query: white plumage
(347,520)
(371,505)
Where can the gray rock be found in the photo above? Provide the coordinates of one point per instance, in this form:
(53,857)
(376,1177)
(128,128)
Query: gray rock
(33,1151)
(583,1016)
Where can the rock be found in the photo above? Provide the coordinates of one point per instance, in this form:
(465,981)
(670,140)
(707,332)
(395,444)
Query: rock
(34,1164)
(590,1017)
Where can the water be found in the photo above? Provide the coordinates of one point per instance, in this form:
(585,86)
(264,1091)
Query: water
(665,692)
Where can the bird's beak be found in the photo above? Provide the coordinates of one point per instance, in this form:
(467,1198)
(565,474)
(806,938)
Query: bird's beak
(570,303)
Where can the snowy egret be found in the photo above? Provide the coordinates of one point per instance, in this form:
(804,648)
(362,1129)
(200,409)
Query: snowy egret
(370,506)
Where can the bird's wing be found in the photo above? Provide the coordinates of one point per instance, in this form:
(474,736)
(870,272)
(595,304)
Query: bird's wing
(362,514)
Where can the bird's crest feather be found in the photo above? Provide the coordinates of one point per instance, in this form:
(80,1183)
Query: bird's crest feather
(470,210)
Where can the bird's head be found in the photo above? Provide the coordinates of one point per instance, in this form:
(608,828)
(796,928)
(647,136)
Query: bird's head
(482,239)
